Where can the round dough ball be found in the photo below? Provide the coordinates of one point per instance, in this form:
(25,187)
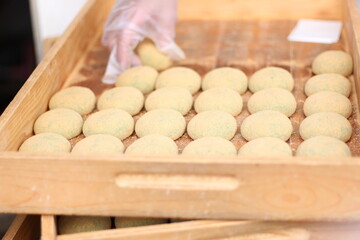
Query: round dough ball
(271,77)
(277,99)
(226,77)
(266,147)
(153,144)
(167,122)
(266,123)
(46,143)
(323,146)
(328,102)
(212,123)
(129,99)
(328,82)
(151,56)
(63,121)
(326,124)
(222,99)
(111,121)
(177,98)
(333,61)
(127,222)
(210,146)
(79,99)
(78,224)
(179,77)
(141,77)
(99,143)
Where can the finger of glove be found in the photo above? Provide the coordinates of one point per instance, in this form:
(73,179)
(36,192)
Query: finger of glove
(126,43)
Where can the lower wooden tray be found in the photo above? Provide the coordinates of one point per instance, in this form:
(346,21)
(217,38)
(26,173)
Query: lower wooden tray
(215,230)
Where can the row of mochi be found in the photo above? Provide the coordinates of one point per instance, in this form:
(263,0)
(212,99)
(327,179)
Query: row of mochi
(146,79)
(79,224)
(223,94)
(170,123)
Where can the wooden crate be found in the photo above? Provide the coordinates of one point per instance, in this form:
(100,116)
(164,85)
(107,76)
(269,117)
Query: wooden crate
(188,187)
(215,230)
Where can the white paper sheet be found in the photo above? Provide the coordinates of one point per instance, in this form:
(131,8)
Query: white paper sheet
(316,31)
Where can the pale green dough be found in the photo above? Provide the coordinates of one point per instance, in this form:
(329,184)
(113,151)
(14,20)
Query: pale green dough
(266,147)
(79,99)
(226,77)
(210,146)
(111,121)
(177,98)
(221,99)
(129,99)
(323,146)
(333,61)
(326,124)
(328,82)
(46,143)
(276,99)
(99,143)
(212,123)
(271,77)
(167,122)
(128,222)
(78,224)
(140,77)
(63,121)
(266,123)
(179,77)
(153,144)
(326,101)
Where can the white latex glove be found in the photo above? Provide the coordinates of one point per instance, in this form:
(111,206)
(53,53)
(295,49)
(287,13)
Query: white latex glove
(130,22)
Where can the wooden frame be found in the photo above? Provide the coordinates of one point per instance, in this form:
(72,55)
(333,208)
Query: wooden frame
(24,227)
(108,185)
(219,230)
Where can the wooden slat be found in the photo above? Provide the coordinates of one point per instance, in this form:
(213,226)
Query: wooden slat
(24,227)
(48,227)
(283,234)
(203,229)
(211,229)
(351,23)
(17,120)
(300,189)
(259,9)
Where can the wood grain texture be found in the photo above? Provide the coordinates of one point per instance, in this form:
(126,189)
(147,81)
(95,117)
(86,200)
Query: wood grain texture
(259,9)
(48,227)
(283,234)
(212,229)
(24,227)
(203,229)
(265,188)
(247,45)
(300,189)
(17,121)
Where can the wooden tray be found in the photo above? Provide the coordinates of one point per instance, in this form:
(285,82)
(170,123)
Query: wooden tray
(188,187)
(214,230)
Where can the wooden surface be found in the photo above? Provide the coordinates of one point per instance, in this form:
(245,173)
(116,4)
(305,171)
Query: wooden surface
(17,121)
(352,20)
(247,45)
(260,9)
(48,227)
(24,227)
(258,188)
(241,230)
(302,189)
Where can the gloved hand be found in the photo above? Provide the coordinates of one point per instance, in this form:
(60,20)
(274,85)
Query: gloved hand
(129,23)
